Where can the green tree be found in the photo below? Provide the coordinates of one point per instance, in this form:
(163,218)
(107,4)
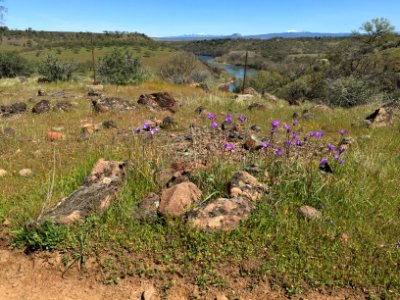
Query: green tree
(376,32)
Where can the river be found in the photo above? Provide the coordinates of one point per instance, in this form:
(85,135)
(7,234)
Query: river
(237,71)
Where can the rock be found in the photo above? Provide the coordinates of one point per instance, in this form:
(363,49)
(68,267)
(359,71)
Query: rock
(382,117)
(15,108)
(175,200)
(309,212)
(94,196)
(55,136)
(109,124)
(224,88)
(221,297)
(150,293)
(168,122)
(245,185)
(322,107)
(89,128)
(65,106)
(251,91)
(57,128)
(6,223)
(25,172)
(114,104)
(229,126)
(159,101)
(18,107)
(3,173)
(270,97)
(95,90)
(252,143)
(199,110)
(42,107)
(346,142)
(257,106)
(41,93)
(147,208)
(221,214)
(344,238)
(243,97)
(256,128)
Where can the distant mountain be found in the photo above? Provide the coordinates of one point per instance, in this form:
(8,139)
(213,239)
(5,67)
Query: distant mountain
(291,34)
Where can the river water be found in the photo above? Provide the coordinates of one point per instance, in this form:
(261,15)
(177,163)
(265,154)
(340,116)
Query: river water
(237,71)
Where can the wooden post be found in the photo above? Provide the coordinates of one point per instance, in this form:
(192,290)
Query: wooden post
(94,63)
(245,71)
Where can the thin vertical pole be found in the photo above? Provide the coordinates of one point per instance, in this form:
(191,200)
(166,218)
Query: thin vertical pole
(94,63)
(245,71)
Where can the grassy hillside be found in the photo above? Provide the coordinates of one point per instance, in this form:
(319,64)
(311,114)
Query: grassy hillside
(353,246)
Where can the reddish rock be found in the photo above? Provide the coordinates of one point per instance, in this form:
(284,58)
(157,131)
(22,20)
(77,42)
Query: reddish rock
(55,136)
(245,185)
(159,101)
(176,200)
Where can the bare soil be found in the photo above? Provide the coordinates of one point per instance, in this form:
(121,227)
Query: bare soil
(39,277)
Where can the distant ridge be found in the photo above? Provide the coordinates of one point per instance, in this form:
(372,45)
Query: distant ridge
(266,36)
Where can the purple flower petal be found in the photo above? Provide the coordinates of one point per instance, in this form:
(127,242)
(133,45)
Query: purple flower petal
(275,123)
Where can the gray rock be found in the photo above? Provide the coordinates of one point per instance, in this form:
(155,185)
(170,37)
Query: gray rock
(245,185)
(42,107)
(147,208)
(309,212)
(220,214)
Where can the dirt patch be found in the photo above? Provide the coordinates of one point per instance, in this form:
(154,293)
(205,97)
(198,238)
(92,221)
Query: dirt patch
(38,277)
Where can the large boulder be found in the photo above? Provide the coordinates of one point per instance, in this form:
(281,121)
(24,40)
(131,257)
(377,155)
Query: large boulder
(176,200)
(15,108)
(63,106)
(382,117)
(251,91)
(94,196)
(220,214)
(114,104)
(245,185)
(243,97)
(42,106)
(159,101)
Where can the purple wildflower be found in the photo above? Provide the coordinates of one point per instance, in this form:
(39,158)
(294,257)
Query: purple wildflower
(214,125)
(265,145)
(278,151)
(287,127)
(242,118)
(299,143)
(211,116)
(305,139)
(146,126)
(341,150)
(341,162)
(336,156)
(295,122)
(319,134)
(273,131)
(137,130)
(397,246)
(331,147)
(229,147)
(323,161)
(295,135)
(342,132)
(275,123)
(288,143)
(228,118)
(311,133)
(152,131)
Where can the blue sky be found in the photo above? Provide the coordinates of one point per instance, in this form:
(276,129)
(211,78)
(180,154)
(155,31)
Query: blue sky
(176,17)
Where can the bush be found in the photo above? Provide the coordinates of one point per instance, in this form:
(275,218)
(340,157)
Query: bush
(184,68)
(348,92)
(121,68)
(13,65)
(52,69)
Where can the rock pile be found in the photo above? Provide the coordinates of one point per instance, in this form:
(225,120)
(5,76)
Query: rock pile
(159,101)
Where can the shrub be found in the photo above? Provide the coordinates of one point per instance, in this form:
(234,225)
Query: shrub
(121,68)
(12,65)
(348,92)
(52,69)
(184,68)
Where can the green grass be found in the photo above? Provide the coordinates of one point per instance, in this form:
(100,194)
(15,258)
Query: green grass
(360,199)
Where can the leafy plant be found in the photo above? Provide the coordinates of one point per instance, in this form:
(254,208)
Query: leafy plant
(12,65)
(52,69)
(121,68)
